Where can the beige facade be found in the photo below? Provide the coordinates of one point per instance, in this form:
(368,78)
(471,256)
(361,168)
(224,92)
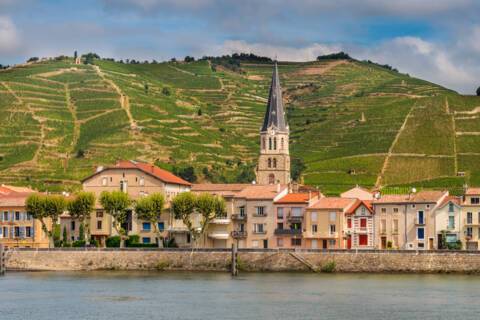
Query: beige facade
(407,221)
(324,223)
(274,161)
(471,219)
(17,228)
(138,180)
(448,223)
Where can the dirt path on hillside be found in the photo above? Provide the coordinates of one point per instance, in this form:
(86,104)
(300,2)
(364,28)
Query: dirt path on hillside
(454,128)
(473,111)
(76,125)
(124,100)
(390,150)
(40,120)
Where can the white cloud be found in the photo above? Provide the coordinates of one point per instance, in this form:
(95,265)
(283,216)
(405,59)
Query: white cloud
(9,37)
(284,53)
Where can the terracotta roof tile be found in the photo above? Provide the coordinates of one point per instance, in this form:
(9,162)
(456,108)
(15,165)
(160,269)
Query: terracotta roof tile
(420,197)
(358,203)
(297,198)
(260,192)
(472,192)
(454,199)
(333,203)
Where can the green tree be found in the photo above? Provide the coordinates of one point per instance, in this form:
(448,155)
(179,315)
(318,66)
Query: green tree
(145,86)
(116,204)
(65,238)
(80,208)
(150,208)
(183,206)
(54,206)
(187,173)
(298,166)
(478,91)
(81,232)
(44,208)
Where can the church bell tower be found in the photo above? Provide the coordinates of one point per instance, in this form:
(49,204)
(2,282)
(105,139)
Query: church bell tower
(274,161)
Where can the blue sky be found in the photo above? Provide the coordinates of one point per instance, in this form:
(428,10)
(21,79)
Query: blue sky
(437,40)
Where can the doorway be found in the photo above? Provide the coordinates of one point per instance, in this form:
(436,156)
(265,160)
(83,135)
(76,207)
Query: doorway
(430,244)
(265,244)
(349,242)
(314,244)
(324,244)
(384,243)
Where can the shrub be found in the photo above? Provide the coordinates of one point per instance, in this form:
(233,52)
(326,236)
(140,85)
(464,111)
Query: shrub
(78,244)
(133,239)
(478,91)
(335,56)
(328,267)
(32,59)
(113,242)
(389,244)
(169,243)
(166,91)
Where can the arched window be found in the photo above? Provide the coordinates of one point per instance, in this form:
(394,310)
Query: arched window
(263,143)
(281,144)
(269,162)
(269,143)
(271,178)
(274,162)
(274,143)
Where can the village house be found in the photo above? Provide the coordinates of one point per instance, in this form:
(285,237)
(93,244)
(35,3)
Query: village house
(137,179)
(471,218)
(360,225)
(407,221)
(325,221)
(17,228)
(358,192)
(289,218)
(448,223)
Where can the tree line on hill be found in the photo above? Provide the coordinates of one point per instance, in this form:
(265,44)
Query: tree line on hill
(345,56)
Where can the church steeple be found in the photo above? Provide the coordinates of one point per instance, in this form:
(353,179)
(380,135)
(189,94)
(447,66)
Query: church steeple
(274,161)
(274,115)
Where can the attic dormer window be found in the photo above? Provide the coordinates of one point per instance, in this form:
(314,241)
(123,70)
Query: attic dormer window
(142,181)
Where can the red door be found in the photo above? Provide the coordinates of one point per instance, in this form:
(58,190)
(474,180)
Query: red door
(349,242)
(363,239)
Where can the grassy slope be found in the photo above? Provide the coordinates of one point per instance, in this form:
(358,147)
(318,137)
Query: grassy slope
(345,119)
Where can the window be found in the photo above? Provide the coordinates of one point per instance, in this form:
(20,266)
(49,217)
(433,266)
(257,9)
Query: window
(469,232)
(363,223)
(17,232)
(146,226)
(362,211)
(421,233)
(314,216)
(333,216)
(395,210)
(263,143)
(451,207)
(279,242)
(331,243)
(260,211)
(428,206)
(280,225)
(421,245)
(413,206)
(104,181)
(349,223)
(123,186)
(269,143)
(161,226)
(279,213)
(99,214)
(146,240)
(275,143)
(29,216)
(469,218)
(269,162)
(420,217)
(296,212)
(271,178)
(281,144)
(274,162)
(5,232)
(142,181)
(296,242)
(474,200)
(395,225)
(99,225)
(384,210)
(363,239)
(314,228)
(72,225)
(332,229)
(255,243)
(451,222)
(258,228)
(241,211)
(17,216)
(5,215)
(1,232)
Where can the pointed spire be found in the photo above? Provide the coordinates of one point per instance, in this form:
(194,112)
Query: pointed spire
(274,116)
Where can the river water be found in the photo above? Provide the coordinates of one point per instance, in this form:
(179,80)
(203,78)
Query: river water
(168,295)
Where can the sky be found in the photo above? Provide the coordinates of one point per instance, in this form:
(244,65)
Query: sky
(436,40)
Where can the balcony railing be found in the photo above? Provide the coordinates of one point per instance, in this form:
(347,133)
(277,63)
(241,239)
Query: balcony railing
(239,217)
(288,232)
(295,218)
(239,234)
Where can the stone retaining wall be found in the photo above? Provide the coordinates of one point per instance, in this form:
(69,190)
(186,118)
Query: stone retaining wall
(248,260)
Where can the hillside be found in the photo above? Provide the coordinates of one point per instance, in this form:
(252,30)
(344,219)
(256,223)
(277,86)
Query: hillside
(351,122)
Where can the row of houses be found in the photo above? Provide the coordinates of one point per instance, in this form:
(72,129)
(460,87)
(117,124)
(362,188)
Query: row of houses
(265,216)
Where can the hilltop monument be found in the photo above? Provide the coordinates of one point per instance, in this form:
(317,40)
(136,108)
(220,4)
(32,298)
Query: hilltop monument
(274,161)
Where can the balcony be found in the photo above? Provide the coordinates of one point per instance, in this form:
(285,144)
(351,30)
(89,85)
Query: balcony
(239,234)
(221,220)
(288,232)
(239,217)
(295,218)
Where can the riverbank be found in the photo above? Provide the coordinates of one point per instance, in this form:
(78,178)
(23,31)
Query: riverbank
(342,261)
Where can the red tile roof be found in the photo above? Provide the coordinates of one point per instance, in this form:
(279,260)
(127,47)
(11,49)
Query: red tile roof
(453,199)
(14,196)
(150,169)
(297,198)
(333,203)
(472,192)
(358,203)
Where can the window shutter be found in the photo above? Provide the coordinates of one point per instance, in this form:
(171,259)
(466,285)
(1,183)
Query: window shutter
(1,216)
(12,232)
(1,232)
(33,230)
(22,232)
